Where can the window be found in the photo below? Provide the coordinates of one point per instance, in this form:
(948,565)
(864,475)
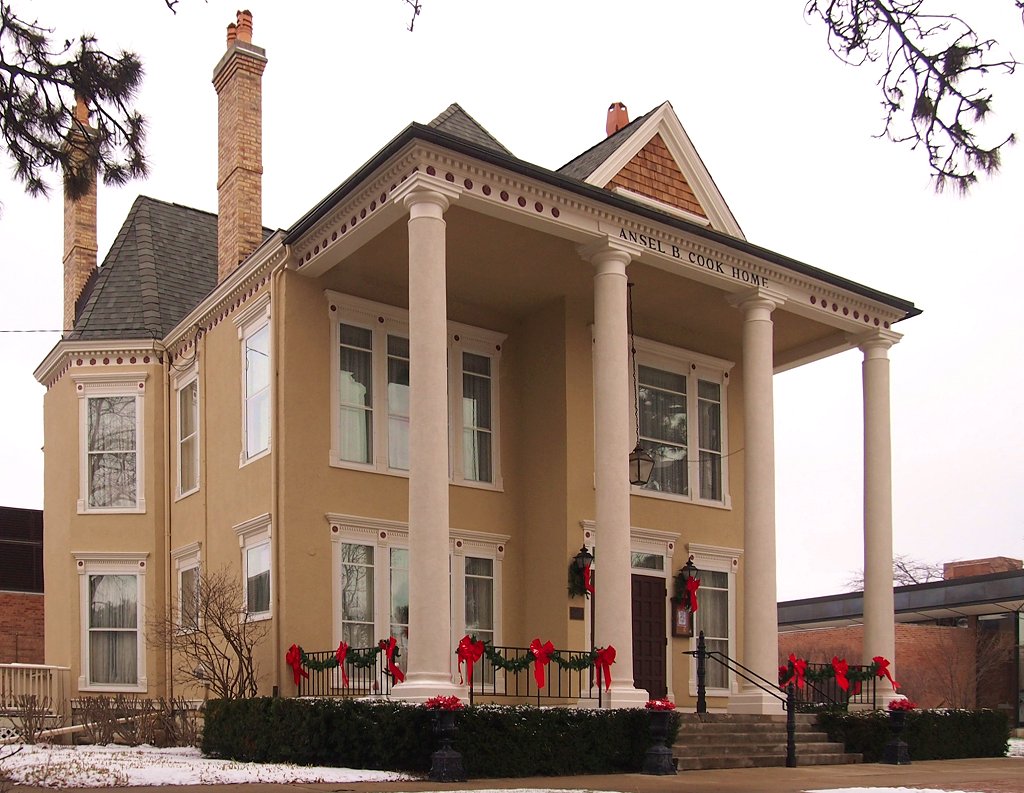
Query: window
(186,561)
(254,540)
(717,613)
(370,371)
(188,437)
(254,334)
(371,575)
(112,458)
(680,398)
(112,605)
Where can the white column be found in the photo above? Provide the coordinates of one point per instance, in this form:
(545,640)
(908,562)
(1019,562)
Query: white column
(612,444)
(760,615)
(879,607)
(430,644)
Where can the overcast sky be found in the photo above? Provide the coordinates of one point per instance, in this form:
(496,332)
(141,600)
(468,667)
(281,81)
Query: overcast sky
(784,128)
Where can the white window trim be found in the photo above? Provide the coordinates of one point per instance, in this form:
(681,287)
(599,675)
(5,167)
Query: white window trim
(103,384)
(115,563)
(185,558)
(642,540)
(251,534)
(387,534)
(695,366)
(249,321)
(181,381)
(724,560)
(382,320)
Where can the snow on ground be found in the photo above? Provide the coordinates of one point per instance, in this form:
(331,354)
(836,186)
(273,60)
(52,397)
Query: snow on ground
(120,766)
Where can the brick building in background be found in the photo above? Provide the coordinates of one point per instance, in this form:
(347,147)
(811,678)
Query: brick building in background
(21,585)
(959,641)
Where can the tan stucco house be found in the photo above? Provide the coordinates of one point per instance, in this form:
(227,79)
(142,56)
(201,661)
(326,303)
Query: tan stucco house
(404,414)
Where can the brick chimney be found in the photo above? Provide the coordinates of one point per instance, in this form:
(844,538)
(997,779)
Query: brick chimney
(237,79)
(79,223)
(618,117)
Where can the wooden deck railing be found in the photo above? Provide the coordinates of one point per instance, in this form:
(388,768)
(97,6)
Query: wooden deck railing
(50,685)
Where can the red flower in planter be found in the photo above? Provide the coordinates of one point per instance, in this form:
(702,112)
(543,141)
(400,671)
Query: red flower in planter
(660,704)
(902,703)
(443,703)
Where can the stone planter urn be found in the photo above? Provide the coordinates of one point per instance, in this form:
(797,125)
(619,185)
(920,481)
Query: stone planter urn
(445,763)
(896,750)
(658,758)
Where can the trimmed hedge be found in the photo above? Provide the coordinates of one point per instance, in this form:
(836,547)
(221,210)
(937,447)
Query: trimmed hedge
(941,734)
(495,741)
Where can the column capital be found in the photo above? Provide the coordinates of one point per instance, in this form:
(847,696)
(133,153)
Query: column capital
(758,297)
(877,343)
(606,253)
(425,195)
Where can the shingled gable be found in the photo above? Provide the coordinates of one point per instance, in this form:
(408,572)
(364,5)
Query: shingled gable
(457,122)
(652,160)
(161,264)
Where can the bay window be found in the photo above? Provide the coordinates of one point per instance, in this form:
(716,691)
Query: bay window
(680,401)
(112,607)
(112,455)
(371,392)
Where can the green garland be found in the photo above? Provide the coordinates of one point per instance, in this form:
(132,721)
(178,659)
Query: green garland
(361,659)
(578,664)
(828,673)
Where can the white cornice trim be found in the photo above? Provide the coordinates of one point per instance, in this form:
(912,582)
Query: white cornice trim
(58,360)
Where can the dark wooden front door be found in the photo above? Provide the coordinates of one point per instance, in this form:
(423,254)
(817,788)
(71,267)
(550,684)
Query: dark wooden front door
(649,638)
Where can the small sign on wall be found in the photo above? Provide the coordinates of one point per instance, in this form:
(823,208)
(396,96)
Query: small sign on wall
(682,620)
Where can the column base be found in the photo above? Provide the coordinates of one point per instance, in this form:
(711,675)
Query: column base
(755,701)
(417,689)
(623,696)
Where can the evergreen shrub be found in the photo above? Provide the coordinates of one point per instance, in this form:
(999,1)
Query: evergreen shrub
(940,734)
(495,741)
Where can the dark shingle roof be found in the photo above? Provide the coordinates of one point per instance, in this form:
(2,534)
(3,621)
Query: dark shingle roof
(585,164)
(162,263)
(456,121)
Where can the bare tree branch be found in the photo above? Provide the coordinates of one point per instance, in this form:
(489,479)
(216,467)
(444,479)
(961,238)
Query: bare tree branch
(932,82)
(905,571)
(416,8)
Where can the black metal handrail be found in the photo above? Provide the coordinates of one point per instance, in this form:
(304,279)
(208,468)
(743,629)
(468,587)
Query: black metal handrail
(363,681)
(492,680)
(788,701)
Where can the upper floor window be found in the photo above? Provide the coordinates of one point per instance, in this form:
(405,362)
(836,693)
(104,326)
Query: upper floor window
(680,399)
(372,392)
(188,436)
(112,460)
(254,334)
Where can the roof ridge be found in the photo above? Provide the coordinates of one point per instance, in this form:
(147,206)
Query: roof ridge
(148,272)
(610,143)
(452,112)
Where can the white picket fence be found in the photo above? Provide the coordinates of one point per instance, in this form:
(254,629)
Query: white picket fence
(49,684)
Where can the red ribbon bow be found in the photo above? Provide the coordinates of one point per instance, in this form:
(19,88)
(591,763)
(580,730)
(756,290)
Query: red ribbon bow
(840,668)
(469,651)
(588,582)
(340,654)
(294,660)
(799,670)
(603,661)
(389,650)
(692,585)
(883,671)
(541,653)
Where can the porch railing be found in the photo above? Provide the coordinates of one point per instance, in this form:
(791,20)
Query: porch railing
(817,694)
(363,681)
(50,685)
(494,682)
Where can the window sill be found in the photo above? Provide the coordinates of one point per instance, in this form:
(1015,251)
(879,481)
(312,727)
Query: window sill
(139,509)
(186,494)
(111,688)
(259,616)
(403,474)
(680,499)
(244,461)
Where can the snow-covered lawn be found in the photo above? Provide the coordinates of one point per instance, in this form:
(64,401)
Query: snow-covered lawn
(120,766)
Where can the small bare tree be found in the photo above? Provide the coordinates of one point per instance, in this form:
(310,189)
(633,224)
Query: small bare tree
(905,571)
(218,646)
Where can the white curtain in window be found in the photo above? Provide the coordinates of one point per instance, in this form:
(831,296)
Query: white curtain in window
(663,427)
(713,619)
(257,391)
(356,395)
(398,403)
(480,608)
(400,599)
(476,417)
(113,629)
(357,614)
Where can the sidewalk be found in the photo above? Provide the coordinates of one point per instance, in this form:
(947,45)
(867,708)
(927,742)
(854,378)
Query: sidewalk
(992,775)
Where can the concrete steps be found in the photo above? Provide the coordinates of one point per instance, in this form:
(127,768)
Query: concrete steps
(714,740)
